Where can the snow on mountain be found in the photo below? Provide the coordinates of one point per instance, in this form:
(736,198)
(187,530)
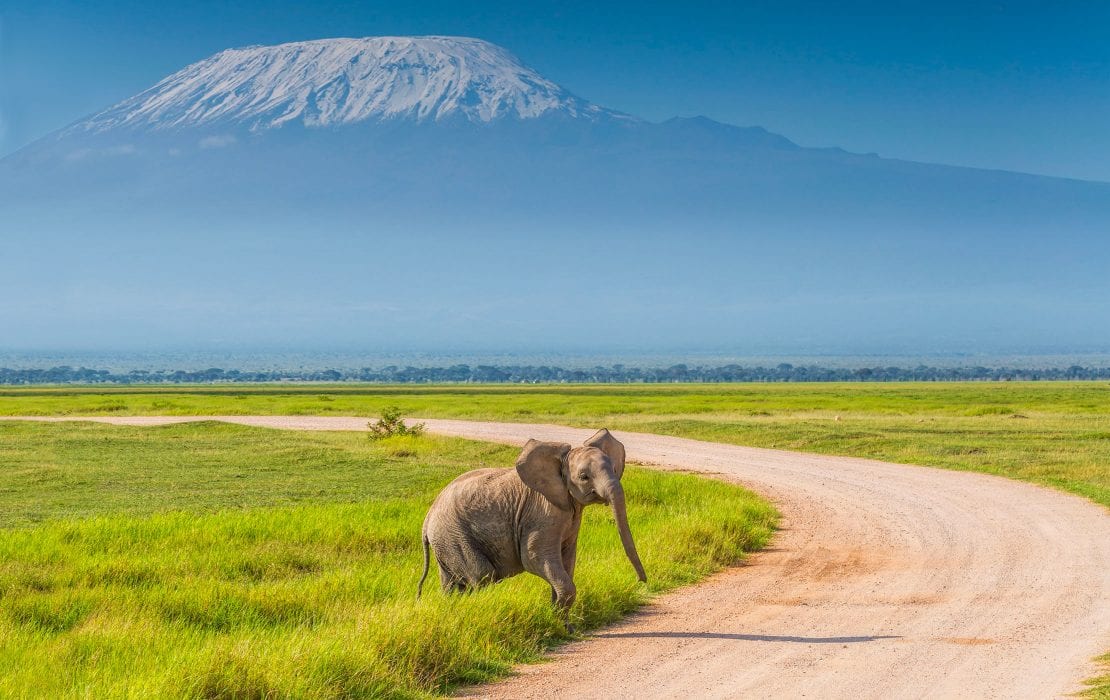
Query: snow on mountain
(343,81)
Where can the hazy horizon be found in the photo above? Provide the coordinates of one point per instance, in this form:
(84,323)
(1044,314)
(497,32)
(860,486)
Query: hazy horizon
(443,195)
(260,359)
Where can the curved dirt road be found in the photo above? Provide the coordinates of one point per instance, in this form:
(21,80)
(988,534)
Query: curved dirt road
(885,581)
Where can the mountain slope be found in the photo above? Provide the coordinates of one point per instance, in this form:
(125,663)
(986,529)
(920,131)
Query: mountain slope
(427,191)
(345,81)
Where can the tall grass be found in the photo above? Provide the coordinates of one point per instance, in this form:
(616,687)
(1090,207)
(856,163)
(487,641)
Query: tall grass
(1100,687)
(316,599)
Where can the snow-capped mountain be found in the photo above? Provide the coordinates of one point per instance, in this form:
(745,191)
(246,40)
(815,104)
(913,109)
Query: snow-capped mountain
(334,82)
(433,189)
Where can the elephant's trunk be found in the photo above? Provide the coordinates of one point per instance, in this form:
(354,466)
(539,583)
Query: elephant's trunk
(616,501)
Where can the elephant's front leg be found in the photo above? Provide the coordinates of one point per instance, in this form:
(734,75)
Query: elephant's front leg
(563,591)
(569,555)
(545,559)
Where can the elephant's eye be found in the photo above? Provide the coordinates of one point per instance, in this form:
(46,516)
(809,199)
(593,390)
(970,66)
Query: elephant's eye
(584,477)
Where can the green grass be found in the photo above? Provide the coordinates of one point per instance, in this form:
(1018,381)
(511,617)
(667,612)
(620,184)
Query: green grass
(499,401)
(78,470)
(210,560)
(1100,687)
(1052,433)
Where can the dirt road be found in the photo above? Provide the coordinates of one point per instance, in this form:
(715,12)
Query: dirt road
(887,581)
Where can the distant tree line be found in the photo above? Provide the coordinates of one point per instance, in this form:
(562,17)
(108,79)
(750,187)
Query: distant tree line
(543,374)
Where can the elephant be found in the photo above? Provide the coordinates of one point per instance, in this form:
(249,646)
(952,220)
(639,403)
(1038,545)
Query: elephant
(491,524)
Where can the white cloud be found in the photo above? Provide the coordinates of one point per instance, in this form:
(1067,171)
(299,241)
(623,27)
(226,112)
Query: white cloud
(126,149)
(217,141)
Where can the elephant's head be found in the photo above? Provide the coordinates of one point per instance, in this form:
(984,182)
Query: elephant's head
(588,474)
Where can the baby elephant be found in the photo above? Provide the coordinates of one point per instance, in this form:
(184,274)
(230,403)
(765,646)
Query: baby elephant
(490,524)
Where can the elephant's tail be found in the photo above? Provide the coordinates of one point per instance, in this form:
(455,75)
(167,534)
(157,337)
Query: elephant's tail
(420,586)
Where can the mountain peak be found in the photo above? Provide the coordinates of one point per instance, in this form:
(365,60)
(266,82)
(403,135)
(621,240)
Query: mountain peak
(333,82)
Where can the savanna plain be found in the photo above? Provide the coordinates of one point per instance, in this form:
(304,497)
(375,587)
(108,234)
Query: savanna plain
(212,560)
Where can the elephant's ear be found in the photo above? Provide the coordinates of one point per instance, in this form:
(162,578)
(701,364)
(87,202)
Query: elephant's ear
(612,447)
(540,466)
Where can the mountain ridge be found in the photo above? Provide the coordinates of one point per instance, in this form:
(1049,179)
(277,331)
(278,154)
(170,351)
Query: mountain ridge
(335,82)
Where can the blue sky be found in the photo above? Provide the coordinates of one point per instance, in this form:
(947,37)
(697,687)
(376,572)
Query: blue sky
(1013,85)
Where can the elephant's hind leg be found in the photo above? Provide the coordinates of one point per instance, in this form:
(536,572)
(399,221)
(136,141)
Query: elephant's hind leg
(448,582)
(473,571)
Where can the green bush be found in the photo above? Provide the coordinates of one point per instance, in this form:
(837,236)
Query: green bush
(391,424)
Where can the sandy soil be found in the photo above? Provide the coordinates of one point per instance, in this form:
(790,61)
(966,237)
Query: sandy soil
(886,581)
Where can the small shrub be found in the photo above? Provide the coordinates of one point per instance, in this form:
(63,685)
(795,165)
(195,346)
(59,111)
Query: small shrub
(391,424)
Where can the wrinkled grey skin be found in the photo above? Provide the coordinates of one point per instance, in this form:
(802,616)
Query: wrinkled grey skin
(490,524)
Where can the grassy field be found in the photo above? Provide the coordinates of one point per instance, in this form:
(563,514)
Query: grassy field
(209,560)
(1052,433)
